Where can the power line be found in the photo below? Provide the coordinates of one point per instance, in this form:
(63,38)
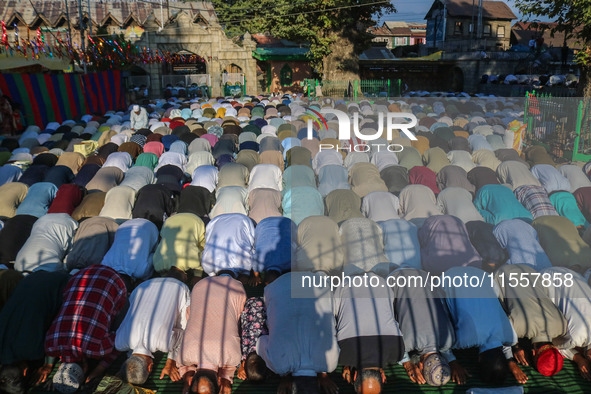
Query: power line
(267,8)
(260,8)
(312,12)
(298,13)
(229,9)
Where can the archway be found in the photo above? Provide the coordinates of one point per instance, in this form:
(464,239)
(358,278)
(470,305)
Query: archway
(457,83)
(233,80)
(233,69)
(286,75)
(184,63)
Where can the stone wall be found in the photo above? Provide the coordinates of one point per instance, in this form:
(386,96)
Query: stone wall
(473,70)
(210,42)
(300,71)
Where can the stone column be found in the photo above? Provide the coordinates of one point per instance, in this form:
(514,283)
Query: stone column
(250,71)
(216,36)
(155,73)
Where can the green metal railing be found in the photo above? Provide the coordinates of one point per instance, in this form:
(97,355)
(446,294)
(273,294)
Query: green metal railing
(234,90)
(562,125)
(582,146)
(233,86)
(369,88)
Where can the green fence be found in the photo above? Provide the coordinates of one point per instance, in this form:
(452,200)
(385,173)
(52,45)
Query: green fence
(582,146)
(562,124)
(370,88)
(237,89)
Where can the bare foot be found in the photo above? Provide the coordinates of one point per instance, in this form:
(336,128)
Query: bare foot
(520,376)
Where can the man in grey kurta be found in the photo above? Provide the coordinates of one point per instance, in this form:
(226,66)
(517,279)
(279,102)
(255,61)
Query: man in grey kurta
(572,296)
(367,333)
(302,339)
(48,244)
(363,244)
(532,314)
(426,327)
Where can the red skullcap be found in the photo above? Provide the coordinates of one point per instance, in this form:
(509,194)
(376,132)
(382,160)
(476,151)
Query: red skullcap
(549,360)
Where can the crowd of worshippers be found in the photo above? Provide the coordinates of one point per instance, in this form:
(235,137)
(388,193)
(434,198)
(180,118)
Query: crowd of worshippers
(136,232)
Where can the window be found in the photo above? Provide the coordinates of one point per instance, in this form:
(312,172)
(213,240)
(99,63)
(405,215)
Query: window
(286,75)
(486,30)
(500,31)
(399,41)
(458,28)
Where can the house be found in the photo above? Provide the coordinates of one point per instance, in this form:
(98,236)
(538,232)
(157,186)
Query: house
(418,32)
(381,36)
(396,33)
(466,25)
(523,32)
(282,65)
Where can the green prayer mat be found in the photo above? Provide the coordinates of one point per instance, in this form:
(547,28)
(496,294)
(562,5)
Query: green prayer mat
(568,380)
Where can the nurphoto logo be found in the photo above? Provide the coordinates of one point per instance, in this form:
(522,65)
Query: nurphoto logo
(393,122)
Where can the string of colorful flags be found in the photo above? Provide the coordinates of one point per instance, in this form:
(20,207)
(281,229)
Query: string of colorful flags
(102,53)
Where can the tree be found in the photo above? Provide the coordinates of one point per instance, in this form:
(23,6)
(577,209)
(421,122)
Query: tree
(573,17)
(334,29)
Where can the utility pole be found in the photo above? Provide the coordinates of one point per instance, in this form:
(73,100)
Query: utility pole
(89,20)
(69,26)
(444,23)
(435,28)
(161,16)
(479,31)
(472,28)
(81,25)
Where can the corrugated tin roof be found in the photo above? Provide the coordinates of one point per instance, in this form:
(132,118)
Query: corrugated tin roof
(119,11)
(377,53)
(417,26)
(401,31)
(495,10)
(263,39)
(398,29)
(524,31)
(393,24)
(380,31)
(281,53)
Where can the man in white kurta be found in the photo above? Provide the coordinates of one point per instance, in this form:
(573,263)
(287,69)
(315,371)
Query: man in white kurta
(138,118)
(229,245)
(325,158)
(266,176)
(302,338)
(573,299)
(205,176)
(155,321)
